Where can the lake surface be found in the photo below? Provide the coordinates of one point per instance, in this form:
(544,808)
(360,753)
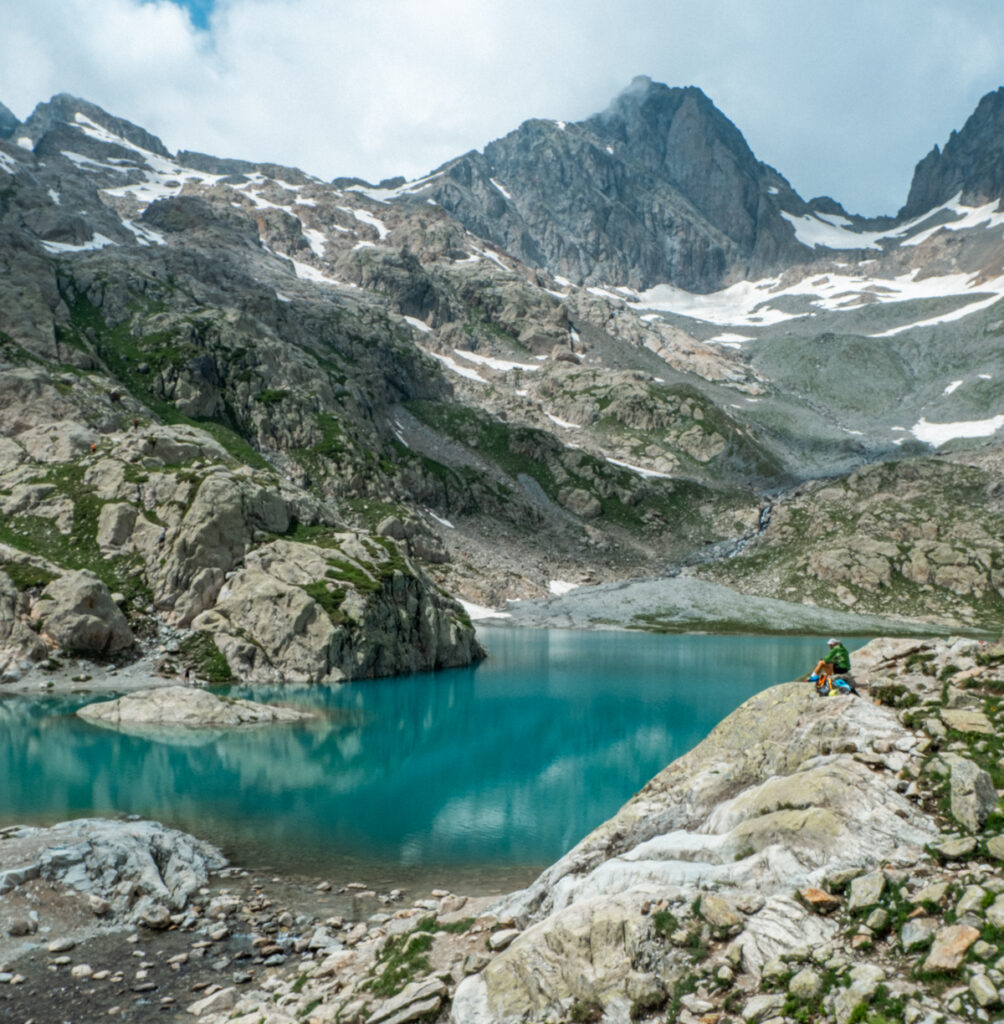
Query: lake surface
(489,772)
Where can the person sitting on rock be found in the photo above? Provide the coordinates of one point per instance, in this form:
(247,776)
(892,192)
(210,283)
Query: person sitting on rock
(836,665)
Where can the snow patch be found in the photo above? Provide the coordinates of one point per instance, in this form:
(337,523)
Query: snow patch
(316,241)
(84,162)
(367,218)
(640,470)
(559,587)
(562,423)
(419,325)
(479,611)
(501,189)
(25,143)
(145,235)
(493,363)
(731,339)
(937,434)
(952,387)
(452,364)
(97,241)
(967,217)
(440,519)
(956,314)
(814,231)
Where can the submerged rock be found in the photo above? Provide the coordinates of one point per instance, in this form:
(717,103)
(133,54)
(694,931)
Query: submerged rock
(185,706)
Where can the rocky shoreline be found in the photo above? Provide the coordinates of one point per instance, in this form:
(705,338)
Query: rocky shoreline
(811,860)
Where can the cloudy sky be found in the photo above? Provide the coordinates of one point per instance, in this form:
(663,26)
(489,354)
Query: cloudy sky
(843,97)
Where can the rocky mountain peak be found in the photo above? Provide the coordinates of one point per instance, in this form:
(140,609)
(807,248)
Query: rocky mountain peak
(659,188)
(66,110)
(972,162)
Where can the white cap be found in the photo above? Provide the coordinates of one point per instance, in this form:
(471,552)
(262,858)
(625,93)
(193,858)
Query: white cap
(831,641)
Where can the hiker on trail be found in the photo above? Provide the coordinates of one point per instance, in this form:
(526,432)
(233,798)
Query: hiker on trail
(835,666)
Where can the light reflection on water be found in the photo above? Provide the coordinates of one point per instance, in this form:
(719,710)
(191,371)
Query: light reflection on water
(496,769)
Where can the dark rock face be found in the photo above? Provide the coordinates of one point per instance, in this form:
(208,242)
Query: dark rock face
(972,162)
(8,122)
(661,187)
(62,110)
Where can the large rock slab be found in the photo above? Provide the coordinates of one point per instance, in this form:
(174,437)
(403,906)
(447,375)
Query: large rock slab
(772,801)
(186,707)
(78,613)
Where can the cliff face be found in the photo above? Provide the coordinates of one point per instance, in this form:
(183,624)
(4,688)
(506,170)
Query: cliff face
(972,163)
(660,187)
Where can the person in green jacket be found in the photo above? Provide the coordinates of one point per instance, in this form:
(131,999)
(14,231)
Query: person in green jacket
(837,661)
(837,665)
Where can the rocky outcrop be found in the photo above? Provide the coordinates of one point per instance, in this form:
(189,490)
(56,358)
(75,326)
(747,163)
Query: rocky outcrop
(884,538)
(354,609)
(969,166)
(20,645)
(133,869)
(185,707)
(77,612)
(729,854)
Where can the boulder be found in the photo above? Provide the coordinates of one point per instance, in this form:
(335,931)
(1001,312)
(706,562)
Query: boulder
(950,946)
(967,720)
(972,792)
(917,932)
(866,890)
(78,613)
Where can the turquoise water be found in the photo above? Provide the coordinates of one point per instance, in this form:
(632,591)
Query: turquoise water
(494,768)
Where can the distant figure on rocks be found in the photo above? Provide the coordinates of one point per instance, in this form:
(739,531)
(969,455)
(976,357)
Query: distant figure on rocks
(135,425)
(832,673)
(94,447)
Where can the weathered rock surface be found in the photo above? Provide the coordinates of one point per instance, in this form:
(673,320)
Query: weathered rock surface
(128,867)
(773,798)
(78,613)
(354,610)
(186,707)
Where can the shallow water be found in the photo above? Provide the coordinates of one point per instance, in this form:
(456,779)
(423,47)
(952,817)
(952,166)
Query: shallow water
(476,777)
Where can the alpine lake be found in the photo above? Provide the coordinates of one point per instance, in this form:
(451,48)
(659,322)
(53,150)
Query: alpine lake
(471,778)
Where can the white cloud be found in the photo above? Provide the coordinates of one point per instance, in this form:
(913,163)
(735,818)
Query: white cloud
(843,98)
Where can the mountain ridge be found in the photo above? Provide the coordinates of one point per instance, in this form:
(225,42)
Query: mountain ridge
(382,373)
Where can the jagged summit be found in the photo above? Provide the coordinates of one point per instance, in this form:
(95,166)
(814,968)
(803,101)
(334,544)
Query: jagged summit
(659,187)
(972,162)
(64,109)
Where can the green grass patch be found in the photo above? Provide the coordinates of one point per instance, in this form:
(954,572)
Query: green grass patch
(403,958)
(200,653)
(27,577)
